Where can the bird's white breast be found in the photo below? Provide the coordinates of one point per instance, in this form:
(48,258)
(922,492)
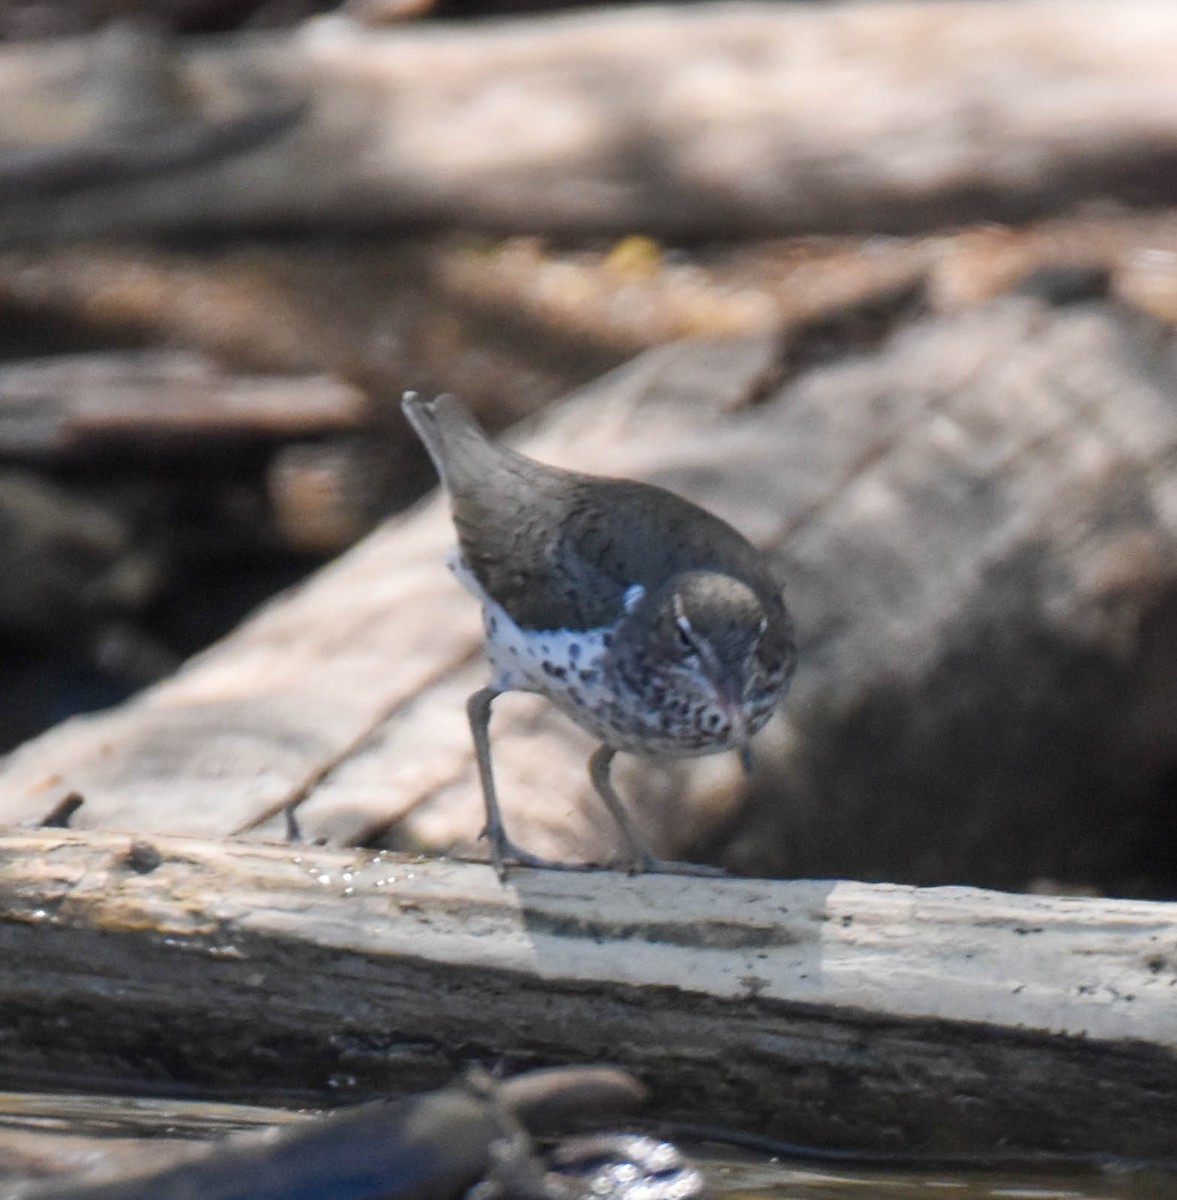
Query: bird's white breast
(566,665)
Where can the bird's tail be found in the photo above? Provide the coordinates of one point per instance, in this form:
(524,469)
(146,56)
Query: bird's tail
(456,442)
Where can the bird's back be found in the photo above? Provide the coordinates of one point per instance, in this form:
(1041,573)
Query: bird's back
(560,549)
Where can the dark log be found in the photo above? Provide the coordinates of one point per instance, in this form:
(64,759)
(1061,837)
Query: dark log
(70,561)
(825,1012)
(679,121)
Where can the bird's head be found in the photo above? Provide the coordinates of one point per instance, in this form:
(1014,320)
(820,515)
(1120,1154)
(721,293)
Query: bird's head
(712,650)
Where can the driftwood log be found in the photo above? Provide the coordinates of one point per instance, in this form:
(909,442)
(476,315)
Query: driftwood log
(825,1012)
(976,524)
(744,118)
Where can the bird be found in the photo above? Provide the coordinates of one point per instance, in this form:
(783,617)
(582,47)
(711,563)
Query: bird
(649,621)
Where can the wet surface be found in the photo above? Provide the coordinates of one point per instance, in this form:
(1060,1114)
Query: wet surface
(53,1135)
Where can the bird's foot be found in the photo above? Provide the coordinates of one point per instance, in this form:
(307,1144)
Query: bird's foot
(505,854)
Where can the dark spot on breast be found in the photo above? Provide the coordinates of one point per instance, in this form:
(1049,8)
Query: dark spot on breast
(573,651)
(575,696)
(607,640)
(492,625)
(587,676)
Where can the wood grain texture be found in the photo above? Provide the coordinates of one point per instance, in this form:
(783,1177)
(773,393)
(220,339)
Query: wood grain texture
(829,1011)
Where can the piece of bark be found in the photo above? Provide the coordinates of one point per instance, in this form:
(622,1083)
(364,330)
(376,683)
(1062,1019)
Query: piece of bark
(679,121)
(824,1012)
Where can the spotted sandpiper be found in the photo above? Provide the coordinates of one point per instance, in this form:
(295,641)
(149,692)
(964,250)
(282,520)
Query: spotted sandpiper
(649,621)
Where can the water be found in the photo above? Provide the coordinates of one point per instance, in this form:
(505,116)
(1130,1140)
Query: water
(745,1180)
(45,1128)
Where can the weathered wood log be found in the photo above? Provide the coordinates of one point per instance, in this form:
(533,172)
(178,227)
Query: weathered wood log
(750,118)
(976,523)
(821,1011)
(56,406)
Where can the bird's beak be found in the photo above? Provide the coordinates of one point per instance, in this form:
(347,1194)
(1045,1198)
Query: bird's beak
(732,699)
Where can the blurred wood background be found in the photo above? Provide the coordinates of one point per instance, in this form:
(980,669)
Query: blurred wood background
(752,120)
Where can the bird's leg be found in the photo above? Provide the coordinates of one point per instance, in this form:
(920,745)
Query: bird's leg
(640,856)
(58,817)
(503,851)
(478,710)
